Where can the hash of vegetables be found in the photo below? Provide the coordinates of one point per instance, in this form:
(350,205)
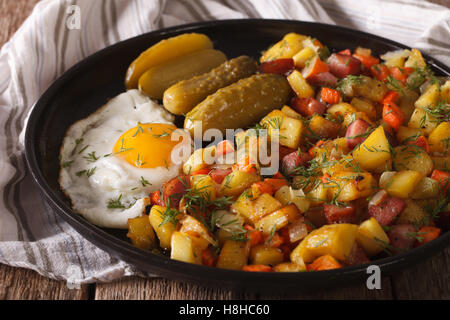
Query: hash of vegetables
(364,169)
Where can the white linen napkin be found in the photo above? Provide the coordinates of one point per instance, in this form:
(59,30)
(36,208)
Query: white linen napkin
(31,235)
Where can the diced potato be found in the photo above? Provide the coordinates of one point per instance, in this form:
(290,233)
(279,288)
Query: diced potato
(289,267)
(300,86)
(445,92)
(400,184)
(262,254)
(236,182)
(164,230)
(349,186)
(415,60)
(253,210)
(334,239)
(365,106)
(342,111)
(285,48)
(412,157)
(406,103)
(234,255)
(302,56)
(277,219)
(421,119)
(427,188)
(289,129)
(324,128)
(318,195)
(371,237)
(263,205)
(141,232)
(182,248)
(287,195)
(412,213)
(199,159)
(370,88)
(407,133)
(430,97)
(396,58)
(374,151)
(204,185)
(291,113)
(441,163)
(439,138)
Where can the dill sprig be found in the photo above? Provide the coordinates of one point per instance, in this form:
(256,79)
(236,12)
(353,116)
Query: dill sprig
(116,203)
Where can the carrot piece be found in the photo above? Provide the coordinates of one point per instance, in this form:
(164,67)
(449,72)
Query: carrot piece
(278,175)
(330,96)
(379,71)
(317,43)
(400,74)
(224,147)
(428,233)
(264,187)
(276,184)
(155,198)
(393,115)
(246,165)
(275,240)
(422,142)
(257,268)
(325,178)
(443,178)
(314,67)
(208,258)
(255,236)
(201,171)
(326,262)
(367,61)
(390,97)
(318,144)
(347,52)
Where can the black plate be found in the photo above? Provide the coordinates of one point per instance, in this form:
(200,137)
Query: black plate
(90,83)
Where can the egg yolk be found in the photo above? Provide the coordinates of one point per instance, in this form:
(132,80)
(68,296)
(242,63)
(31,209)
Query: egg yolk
(148,145)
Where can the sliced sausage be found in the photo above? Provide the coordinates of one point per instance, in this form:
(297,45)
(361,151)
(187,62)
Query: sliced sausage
(401,236)
(356,257)
(323,79)
(337,214)
(387,211)
(219,174)
(342,65)
(308,106)
(279,66)
(356,133)
(293,160)
(174,190)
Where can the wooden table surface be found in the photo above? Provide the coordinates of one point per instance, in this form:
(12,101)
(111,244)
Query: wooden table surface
(428,280)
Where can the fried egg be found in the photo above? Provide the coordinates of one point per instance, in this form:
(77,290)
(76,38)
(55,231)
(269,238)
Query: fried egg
(113,159)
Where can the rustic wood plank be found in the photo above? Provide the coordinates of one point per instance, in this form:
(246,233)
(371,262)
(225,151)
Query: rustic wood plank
(162,289)
(18,284)
(427,280)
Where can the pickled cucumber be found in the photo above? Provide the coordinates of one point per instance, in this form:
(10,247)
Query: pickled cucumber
(183,96)
(164,51)
(241,104)
(158,78)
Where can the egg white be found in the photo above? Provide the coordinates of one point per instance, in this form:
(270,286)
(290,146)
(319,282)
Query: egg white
(92,182)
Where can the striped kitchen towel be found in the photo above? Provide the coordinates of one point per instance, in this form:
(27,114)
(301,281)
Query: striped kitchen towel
(31,235)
